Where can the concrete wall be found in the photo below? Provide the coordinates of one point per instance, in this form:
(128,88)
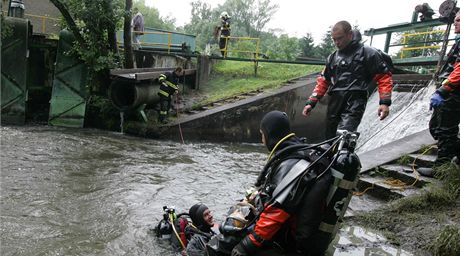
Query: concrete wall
(42,25)
(239,121)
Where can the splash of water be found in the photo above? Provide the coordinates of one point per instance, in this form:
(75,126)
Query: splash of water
(409,113)
(122,121)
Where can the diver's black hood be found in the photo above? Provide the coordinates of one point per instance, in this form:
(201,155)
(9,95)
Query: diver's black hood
(354,43)
(196,214)
(275,126)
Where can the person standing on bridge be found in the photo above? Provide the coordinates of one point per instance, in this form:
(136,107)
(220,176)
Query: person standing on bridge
(168,87)
(224,30)
(137,24)
(346,78)
(445,103)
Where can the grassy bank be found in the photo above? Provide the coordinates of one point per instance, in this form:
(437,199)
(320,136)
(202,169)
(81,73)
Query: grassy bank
(231,78)
(427,224)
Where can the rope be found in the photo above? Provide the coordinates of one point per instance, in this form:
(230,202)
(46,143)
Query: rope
(396,183)
(402,111)
(177,111)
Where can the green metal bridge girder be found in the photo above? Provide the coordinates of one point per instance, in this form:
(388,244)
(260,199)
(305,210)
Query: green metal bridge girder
(14,72)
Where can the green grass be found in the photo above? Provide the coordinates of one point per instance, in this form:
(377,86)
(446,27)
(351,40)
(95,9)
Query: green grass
(404,160)
(231,78)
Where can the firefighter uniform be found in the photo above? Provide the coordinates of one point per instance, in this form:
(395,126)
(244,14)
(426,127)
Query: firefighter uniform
(168,87)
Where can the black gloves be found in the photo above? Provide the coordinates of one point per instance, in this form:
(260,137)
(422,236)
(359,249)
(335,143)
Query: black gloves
(245,248)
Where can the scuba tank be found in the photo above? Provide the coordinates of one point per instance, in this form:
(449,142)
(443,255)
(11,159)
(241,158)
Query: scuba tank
(164,228)
(345,169)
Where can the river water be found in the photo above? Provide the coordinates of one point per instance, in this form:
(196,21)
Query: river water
(90,192)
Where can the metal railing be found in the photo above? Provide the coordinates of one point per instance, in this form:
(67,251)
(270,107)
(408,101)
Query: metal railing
(406,37)
(143,42)
(255,52)
(42,20)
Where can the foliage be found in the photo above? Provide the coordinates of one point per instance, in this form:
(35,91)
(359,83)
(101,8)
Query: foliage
(93,23)
(450,174)
(6,28)
(307,46)
(447,242)
(404,160)
(286,48)
(327,45)
(203,22)
(426,39)
(152,17)
(250,15)
(231,78)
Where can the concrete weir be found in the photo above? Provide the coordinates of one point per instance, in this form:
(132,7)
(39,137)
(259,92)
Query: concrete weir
(239,121)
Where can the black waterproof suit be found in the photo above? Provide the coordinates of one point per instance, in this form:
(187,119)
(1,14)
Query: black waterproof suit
(346,79)
(445,119)
(289,220)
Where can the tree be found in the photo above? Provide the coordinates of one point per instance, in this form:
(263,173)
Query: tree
(152,17)
(128,49)
(94,24)
(327,46)
(203,22)
(250,15)
(307,46)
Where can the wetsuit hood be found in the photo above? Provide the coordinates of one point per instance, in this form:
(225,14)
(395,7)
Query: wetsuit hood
(275,126)
(354,43)
(196,214)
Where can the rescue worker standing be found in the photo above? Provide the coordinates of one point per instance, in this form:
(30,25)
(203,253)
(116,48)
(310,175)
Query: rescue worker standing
(168,87)
(137,25)
(445,103)
(224,30)
(345,78)
(290,222)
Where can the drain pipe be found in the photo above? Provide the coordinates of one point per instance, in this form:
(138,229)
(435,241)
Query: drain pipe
(129,95)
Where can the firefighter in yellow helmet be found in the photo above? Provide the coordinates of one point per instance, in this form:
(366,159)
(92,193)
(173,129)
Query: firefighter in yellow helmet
(168,87)
(224,29)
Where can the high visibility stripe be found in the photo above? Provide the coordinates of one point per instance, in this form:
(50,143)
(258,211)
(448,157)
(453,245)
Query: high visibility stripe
(163,112)
(171,85)
(328,228)
(164,93)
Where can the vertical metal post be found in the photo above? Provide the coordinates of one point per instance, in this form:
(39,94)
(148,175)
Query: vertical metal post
(43,25)
(387,42)
(443,51)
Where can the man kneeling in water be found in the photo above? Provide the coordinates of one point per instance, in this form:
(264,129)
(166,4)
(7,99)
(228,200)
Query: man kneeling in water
(204,221)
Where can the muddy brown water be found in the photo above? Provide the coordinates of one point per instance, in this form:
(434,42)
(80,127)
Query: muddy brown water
(91,192)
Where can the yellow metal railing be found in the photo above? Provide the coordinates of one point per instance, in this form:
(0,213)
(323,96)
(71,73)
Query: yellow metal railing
(408,35)
(228,38)
(143,43)
(43,19)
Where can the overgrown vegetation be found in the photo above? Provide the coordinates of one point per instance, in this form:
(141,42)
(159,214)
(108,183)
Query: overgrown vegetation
(427,222)
(404,160)
(231,78)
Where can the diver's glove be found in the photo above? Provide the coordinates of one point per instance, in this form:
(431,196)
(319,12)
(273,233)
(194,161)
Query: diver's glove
(245,248)
(436,100)
(438,97)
